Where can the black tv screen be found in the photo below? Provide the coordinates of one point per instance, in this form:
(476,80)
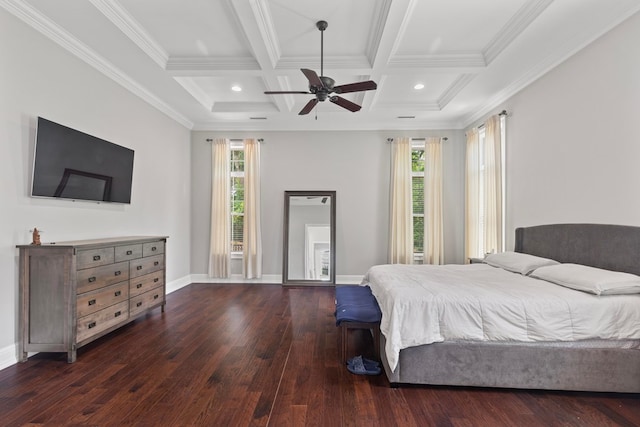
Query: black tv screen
(70,164)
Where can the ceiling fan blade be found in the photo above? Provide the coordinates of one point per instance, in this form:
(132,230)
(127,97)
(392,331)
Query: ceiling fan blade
(307,108)
(345,103)
(279,92)
(312,76)
(356,87)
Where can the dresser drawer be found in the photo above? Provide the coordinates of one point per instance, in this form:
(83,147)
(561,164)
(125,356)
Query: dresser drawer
(145,283)
(143,301)
(102,320)
(90,302)
(94,257)
(140,267)
(125,253)
(94,278)
(152,248)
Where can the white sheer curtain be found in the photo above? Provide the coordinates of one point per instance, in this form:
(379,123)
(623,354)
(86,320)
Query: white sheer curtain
(493,185)
(401,221)
(220,241)
(472,195)
(252,245)
(433,229)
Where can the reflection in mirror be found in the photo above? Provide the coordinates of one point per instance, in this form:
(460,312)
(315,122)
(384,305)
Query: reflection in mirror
(309,237)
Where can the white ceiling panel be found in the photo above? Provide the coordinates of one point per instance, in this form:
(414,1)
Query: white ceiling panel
(455,25)
(183,57)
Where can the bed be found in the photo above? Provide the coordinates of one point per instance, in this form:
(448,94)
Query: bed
(545,352)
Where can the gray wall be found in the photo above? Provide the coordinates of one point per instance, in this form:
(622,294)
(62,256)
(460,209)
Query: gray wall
(354,164)
(39,78)
(573,140)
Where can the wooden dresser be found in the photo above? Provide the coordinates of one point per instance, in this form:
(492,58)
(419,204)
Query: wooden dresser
(72,293)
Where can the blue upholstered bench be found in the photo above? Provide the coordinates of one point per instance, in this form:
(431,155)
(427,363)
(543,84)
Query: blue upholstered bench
(357,308)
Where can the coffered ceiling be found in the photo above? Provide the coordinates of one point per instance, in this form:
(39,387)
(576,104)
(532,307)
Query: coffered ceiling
(184,56)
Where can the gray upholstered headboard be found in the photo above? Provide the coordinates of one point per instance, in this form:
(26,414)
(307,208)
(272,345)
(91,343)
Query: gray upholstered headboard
(612,247)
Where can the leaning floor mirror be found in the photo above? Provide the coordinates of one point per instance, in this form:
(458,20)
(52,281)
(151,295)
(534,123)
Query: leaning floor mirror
(309,238)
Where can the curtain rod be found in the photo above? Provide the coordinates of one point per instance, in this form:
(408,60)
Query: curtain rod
(444,138)
(501,113)
(234,140)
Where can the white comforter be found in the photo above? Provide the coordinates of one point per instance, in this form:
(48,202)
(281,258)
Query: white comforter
(423,304)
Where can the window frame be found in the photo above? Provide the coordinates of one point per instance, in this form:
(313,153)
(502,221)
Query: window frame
(235,146)
(481,178)
(417,145)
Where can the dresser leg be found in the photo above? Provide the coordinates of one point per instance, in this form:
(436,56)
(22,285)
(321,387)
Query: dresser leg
(71,356)
(24,356)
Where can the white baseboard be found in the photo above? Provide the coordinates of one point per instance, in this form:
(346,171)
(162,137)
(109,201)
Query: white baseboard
(174,285)
(349,279)
(8,356)
(268,279)
(237,278)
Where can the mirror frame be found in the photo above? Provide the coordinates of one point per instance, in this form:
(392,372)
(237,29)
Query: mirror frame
(332,244)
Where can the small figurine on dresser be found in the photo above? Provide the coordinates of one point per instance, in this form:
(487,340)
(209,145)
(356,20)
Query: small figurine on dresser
(35,240)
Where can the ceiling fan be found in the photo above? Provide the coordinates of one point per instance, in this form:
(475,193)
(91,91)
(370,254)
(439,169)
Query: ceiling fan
(323,87)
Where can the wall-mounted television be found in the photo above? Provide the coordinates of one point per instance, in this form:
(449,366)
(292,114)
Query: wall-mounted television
(70,164)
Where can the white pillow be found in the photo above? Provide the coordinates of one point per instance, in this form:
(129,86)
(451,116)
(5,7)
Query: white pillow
(590,279)
(517,262)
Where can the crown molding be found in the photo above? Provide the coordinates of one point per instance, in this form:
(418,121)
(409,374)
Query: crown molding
(381,16)
(58,35)
(264,22)
(454,89)
(122,19)
(512,29)
(402,27)
(211,65)
(308,125)
(196,91)
(244,107)
(358,64)
(470,61)
(404,106)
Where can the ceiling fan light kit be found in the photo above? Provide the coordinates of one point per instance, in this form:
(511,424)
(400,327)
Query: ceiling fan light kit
(323,87)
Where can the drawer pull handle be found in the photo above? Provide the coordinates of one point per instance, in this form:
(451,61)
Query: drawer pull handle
(155,280)
(118,293)
(92,302)
(91,325)
(155,296)
(156,263)
(96,257)
(153,249)
(139,267)
(117,273)
(139,304)
(117,313)
(92,279)
(139,285)
(129,252)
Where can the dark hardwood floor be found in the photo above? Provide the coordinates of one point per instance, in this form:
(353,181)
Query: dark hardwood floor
(236,355)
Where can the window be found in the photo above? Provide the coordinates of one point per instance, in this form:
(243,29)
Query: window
(237,197)
(417,191)
(481,191)
(480,171)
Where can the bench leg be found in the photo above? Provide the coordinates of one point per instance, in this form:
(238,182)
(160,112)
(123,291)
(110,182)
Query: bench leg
(376,342)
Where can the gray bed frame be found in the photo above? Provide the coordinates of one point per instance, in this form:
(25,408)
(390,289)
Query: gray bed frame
(528,366)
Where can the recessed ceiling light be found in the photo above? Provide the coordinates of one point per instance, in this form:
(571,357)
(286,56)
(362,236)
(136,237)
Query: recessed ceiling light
(418,86)
(236,88)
